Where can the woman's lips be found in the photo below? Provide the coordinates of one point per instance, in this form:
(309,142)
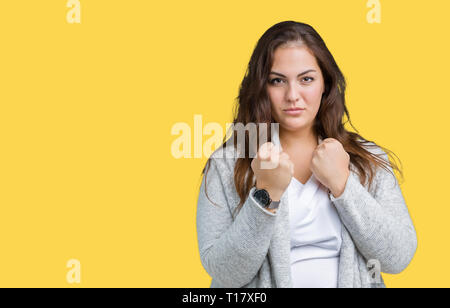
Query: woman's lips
(294,111)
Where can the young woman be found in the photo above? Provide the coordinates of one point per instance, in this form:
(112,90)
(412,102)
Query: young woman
(330,213)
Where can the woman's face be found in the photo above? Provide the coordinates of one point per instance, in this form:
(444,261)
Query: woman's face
(295,81)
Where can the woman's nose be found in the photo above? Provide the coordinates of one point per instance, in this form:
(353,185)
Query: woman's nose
(293,94)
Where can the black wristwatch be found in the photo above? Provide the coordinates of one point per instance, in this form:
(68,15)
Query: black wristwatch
(263,198)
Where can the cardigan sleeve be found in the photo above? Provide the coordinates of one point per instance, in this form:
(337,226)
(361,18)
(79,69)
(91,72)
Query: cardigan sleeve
(379,224)
(231,251)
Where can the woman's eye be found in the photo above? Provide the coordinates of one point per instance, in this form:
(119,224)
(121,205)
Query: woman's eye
(309,78)
(278,80)
(275,79)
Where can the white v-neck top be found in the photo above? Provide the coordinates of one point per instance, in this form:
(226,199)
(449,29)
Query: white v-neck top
(315,235)
(315,229)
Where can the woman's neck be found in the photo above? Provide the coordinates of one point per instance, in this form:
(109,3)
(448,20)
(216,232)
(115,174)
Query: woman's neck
(296,139)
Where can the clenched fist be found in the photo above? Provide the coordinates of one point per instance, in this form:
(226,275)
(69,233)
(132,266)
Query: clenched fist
(273,170)
(330,165)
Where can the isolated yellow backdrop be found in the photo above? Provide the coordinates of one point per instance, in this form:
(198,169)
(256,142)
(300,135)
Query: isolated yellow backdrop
(86,170)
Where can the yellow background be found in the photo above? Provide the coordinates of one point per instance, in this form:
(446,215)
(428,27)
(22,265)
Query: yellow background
(86,170)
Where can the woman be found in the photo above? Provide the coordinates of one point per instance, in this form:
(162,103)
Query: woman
(330,212)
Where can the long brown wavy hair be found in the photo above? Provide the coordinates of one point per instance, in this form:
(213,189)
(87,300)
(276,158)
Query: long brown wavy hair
(254,106)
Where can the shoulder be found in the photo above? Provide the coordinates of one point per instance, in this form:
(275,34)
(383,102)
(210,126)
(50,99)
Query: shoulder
(221,165)
(373,148)
(224,158)
(382,174)
(221,171)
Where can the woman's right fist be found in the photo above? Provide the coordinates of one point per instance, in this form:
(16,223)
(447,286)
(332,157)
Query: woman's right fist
(273,170)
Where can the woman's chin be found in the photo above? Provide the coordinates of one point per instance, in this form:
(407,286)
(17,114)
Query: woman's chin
(293,124)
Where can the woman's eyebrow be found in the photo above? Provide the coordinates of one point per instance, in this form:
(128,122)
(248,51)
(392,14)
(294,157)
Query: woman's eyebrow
(305,72)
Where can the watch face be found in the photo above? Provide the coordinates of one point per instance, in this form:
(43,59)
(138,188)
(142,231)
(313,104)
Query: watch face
(262,196)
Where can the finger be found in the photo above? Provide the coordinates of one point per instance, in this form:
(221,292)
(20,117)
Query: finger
(291,169)
(275,156)
(330,140)
(265,150)
(272,161)
(284,156)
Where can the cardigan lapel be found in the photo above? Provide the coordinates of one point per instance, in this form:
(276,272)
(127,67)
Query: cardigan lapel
(280,244)
(346,260)
(280,247)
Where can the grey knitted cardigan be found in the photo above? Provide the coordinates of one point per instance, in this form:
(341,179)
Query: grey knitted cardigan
(251,249)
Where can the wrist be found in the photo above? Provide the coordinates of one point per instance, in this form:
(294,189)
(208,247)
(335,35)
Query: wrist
(274,194)
(337,193)
(339,190)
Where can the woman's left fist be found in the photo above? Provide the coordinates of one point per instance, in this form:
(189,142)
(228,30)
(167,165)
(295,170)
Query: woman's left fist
(330,165)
